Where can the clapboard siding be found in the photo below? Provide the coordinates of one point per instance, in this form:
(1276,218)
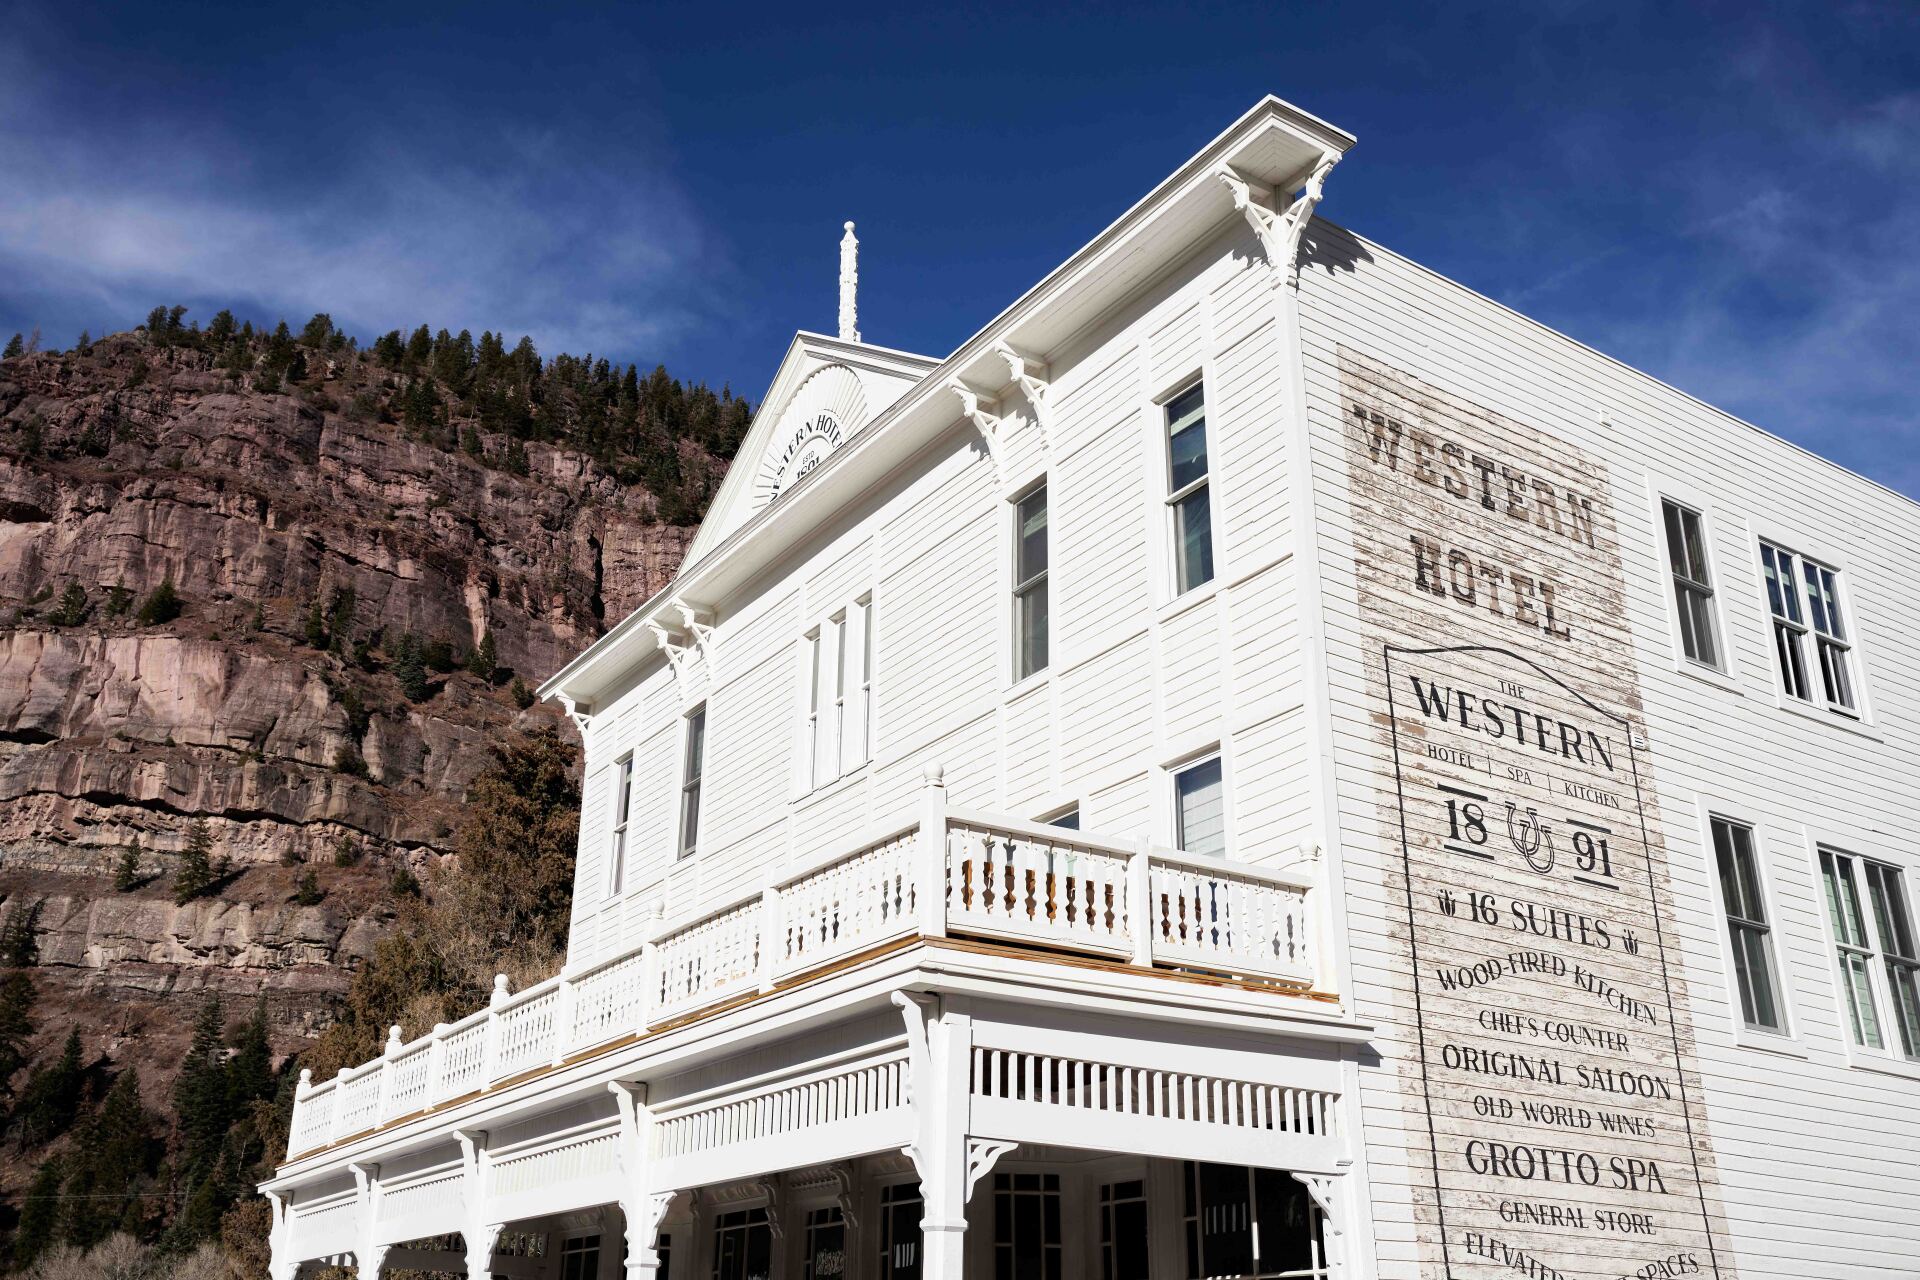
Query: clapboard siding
(1816,1157)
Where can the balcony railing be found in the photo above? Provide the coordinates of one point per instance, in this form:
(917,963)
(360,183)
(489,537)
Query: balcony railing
(944,871)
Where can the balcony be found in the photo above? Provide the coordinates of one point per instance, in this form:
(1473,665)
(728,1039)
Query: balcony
(943,872)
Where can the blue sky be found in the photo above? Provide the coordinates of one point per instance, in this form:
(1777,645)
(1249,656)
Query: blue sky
(1725,195)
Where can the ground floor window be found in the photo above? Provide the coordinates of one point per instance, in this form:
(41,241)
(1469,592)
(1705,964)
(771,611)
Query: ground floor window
(1123,1231)
(900,1213)
(826,1255)
(1255,1224)
(580,1258)
(742,1246)
(1026,1226)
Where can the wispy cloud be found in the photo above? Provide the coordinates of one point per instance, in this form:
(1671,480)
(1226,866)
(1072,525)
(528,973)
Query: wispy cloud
(541,231)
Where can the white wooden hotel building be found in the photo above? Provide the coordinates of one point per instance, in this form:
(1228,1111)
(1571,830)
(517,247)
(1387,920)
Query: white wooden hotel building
(1263,762)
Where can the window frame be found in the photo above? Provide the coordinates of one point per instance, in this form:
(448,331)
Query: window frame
(1683,584)
(1176,495)
(1176,820)
(1889,1057)
(1787,1040)
(1040,582)
(835,697)
(1815,706)
(620,833)
(693,728)
(1660,490)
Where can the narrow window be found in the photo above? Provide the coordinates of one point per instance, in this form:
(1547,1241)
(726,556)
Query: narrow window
(1030,584)
(1250,1223)
(1853,947)
(694,762)
(811,758)
(1893,927)
(837,697)
(1692,583)
(580,1258)
(900,1211)
(1830,636)
(742,1246)
(856,637)
(826,1246)
(1748,932)
(866,678)
(1123,1231)
(1026,1226)
(1189,494)
(1789,624)
(622,810)
(1199,797)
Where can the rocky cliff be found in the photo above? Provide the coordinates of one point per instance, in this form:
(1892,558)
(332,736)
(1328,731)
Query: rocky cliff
(312,541)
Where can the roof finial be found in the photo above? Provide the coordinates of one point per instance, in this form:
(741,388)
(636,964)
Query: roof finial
(849,282)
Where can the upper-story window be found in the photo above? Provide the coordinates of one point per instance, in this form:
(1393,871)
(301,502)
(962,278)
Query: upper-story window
(1200,809)
(1692,583)
(1749,934)
(1189,493)
(622,813)
(839,667)
(1874,944)
(1804,597)
(693,763)
(1030,583)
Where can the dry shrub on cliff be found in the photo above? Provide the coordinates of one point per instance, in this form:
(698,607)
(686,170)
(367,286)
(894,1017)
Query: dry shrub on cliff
(498,906)
(122,1257)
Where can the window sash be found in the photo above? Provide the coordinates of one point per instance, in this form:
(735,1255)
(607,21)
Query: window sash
(1853,950)
(1189,496)
(1200,818)
(693,767)
(1692,583)
(1749,935)
(622,815)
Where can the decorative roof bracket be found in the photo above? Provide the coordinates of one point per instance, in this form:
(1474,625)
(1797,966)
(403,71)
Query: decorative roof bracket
(699,623)
(1279,231)
(987,424)
(673,644)
(1030,373)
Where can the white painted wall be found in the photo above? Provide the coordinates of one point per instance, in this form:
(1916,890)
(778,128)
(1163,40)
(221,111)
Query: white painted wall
(1818,1146)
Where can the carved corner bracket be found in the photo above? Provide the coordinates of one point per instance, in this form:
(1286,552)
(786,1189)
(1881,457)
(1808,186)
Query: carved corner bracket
(1279,230)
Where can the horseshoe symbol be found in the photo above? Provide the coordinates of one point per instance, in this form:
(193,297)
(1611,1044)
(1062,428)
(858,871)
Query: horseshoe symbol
(1533,841)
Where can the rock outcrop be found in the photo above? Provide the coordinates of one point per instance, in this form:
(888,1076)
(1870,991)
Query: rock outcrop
(270,514)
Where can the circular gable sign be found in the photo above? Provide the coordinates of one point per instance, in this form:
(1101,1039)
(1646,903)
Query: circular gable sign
(827,408)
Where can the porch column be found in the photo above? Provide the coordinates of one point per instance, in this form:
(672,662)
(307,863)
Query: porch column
(368,1257)
(476,1233)
(281,1265)
(939,1049)
(642,1206)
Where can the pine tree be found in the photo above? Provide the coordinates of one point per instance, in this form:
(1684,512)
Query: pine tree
(72,609)
(162,605)
(410,669)
(50,1103)
(126,874)
(316,630)
(85,345)
(112,1155)
(119,600)
(220,329)
(481,661)
(20,935)
(17,998)
(15,345)
(202,1106)
(307,892)
(39,1213)
(195,876)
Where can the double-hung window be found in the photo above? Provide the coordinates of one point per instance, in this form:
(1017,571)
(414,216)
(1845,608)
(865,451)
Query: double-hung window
(693,764)
(1189,491)
(1199,808)
(1030,583)
(1804,597)
(622,815)
(1874,945)
(839,694)
(1749,935)
(1692,583)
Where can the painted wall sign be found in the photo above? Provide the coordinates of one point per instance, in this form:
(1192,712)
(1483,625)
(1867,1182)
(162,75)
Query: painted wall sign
(802,449)
(1549,1074)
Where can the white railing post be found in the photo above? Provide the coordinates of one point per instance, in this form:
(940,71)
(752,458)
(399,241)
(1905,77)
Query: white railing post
(490,1042)
(933,854)
(383,1094)
(300,1092)
(338,1112)
(1142,918)
(437,1065)
(563,1019)
(649,968)
(772,928)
